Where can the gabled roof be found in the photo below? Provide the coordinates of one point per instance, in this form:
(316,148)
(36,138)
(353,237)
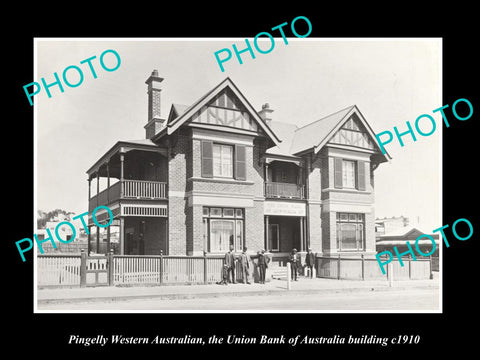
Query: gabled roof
(316,134)
(311,135)
(409,232)
(174,123)
(286,132)
(176,110)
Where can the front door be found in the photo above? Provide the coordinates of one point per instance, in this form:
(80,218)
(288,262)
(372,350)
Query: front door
(130,245)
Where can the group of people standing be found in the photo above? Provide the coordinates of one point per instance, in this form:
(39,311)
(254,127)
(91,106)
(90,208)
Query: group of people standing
(246,265)
(296,263)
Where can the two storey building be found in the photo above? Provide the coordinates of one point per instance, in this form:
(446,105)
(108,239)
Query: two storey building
(218,172)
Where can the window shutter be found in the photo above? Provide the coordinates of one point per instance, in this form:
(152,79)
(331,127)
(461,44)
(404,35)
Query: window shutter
(207,159)
(240,162)
(361,175)
(338,176)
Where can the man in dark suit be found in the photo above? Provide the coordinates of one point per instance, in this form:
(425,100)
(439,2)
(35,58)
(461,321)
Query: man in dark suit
(310,261)
(229,262)
(262,266)
(294,260)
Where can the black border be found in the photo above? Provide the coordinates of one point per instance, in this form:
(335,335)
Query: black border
(47,334)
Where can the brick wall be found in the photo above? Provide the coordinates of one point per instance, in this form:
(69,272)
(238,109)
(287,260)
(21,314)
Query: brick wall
(329,231)
(196,158)
(354,197)
(154,103)
(314,179)
(315,227)
(177,183)
(195,241)
(254,227)
(325,176)
(255,172)
(227,187)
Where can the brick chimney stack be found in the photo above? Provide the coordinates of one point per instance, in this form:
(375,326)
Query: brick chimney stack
(265,113)
(154,123)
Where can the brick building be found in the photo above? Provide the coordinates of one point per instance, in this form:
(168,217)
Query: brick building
(218,172)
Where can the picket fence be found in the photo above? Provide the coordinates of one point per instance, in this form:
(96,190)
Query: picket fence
(137,270)
(82,270)
(361,268)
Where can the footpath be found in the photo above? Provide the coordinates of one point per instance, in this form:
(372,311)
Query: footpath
(275,286)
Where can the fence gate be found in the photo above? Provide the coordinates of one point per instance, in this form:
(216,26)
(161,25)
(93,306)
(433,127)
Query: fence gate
(96,270)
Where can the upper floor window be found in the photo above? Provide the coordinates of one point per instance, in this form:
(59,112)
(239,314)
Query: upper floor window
(350,174)
(220,160)
(348,171)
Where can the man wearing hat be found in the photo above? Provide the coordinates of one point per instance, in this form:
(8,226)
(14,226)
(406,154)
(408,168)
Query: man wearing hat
(246,265)
(262,266)
(294,260)
(310,261)
(229,262)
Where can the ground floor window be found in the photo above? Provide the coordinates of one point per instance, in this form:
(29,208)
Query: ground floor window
(350,231)
(223,227)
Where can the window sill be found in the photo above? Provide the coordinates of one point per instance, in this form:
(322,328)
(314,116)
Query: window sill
(346,190)
(340,252)
(221,180)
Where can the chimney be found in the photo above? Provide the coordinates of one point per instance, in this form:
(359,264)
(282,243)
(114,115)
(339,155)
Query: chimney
(154,122)
(265,113)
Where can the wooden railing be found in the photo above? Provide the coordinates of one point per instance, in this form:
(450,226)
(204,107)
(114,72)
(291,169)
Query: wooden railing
(130,270)
(83,270)
(360,268)
(283,190)
(58,270)
(139,189)
(132,189)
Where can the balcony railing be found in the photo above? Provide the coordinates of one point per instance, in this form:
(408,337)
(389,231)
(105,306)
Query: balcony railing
(283,190)
(131,189)
(139,189)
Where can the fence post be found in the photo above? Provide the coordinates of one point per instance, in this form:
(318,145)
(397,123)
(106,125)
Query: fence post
(110,267)
(409,267)
(363,267)
(338,267)
(431,269)
(161,267)
(83,268)
(390,274)
(205,275)
(289,275)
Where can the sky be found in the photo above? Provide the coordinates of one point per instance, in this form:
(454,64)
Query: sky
(390,80)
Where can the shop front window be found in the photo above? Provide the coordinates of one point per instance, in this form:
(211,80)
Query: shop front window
(350,231)
(223,227)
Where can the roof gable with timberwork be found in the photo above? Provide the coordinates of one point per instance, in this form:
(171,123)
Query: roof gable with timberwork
(222,108)
(353,133)
(225,109)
